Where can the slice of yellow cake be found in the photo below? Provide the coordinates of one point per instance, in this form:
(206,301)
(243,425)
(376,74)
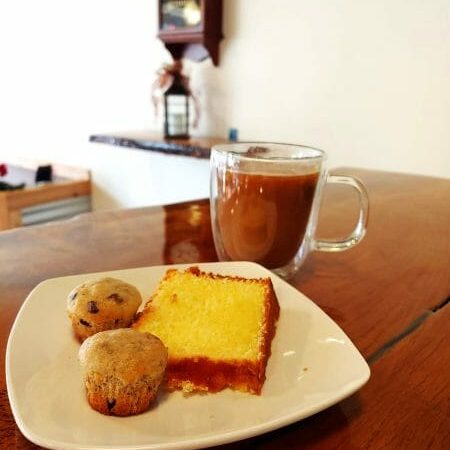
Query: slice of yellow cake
(218,329)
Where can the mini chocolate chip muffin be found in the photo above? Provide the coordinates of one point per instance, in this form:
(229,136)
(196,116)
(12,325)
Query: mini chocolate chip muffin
(123,370)
(103,304)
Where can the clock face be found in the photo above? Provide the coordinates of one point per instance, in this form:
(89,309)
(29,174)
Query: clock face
(179,14)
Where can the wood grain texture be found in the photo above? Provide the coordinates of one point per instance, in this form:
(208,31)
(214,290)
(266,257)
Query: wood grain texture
(377,289)
(396,277)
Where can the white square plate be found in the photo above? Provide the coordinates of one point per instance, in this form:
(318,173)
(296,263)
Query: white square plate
(313,366)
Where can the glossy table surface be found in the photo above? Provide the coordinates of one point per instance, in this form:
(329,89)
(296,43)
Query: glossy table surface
(389,294)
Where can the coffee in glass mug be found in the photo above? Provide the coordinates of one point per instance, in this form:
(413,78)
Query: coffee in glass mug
(265,200)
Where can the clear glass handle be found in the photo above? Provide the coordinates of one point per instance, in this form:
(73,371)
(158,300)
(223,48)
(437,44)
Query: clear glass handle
(338,245)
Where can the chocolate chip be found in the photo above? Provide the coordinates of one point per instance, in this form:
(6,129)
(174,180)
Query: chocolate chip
(86,324)
(92,307)
(116,297)
(73,296)
(111,404)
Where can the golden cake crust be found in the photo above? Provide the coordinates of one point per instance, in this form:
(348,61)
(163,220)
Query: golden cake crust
(202,373)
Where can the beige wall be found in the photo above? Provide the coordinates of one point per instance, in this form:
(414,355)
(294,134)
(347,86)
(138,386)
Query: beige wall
(368,81)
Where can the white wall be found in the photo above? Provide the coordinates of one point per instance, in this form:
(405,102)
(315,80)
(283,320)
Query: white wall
(69,69)
(368,81)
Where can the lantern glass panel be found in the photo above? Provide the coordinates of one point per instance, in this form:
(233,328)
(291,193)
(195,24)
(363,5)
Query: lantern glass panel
(177,115)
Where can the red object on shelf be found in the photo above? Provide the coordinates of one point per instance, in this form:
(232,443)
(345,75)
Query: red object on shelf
(3,170)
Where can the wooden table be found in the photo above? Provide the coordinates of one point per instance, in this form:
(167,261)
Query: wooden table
(390,294)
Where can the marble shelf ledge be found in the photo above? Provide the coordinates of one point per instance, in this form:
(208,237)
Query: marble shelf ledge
(197,147)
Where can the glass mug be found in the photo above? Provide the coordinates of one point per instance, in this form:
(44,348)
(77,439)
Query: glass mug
(265,201)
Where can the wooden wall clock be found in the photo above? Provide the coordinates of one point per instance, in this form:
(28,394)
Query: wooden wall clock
(191,28)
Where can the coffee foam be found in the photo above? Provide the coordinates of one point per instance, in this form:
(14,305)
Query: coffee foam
(276,168)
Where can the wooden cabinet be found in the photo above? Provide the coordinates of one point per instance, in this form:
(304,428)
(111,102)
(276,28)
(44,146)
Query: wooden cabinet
(191,28)
(69,194)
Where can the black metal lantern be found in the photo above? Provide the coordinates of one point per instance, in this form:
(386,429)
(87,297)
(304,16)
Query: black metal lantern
(176,109)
